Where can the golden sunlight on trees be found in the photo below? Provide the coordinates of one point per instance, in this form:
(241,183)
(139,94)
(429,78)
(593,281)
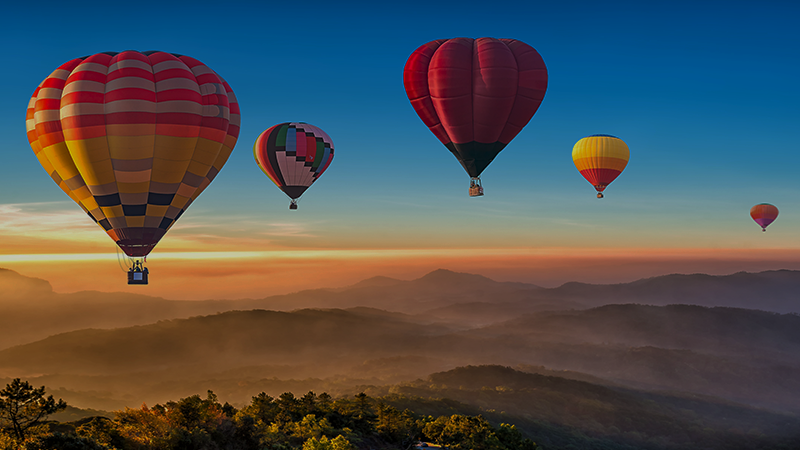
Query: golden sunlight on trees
(23,408)
(337,443)
(310,422)
(459,432)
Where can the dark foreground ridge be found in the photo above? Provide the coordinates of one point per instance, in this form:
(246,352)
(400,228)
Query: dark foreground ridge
(473,407)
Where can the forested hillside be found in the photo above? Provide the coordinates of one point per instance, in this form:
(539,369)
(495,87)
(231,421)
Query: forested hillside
(468,408)
(558,412)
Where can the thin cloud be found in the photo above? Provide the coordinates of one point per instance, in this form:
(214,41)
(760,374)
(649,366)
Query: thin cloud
(574,224)
(288,230)
(48,220)
(208,229)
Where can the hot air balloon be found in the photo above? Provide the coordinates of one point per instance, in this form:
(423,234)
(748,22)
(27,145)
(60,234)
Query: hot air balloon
(475,95)
(600,158)
(293,155)
(764,214)
(133,138)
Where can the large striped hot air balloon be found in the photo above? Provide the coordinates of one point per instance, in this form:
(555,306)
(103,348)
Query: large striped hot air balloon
(293,155)
(475,95)
(133,138)
(600,158)
(764,214)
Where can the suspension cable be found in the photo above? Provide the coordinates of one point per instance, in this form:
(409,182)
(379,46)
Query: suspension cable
(119,261)
(128,261)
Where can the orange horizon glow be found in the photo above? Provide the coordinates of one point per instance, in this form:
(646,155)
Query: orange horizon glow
(208,259)
(258,274)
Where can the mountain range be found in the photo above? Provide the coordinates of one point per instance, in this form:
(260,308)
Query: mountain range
(460,299)
(718,340)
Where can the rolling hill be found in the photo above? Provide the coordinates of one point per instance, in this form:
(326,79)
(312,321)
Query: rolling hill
(563,413)
(742,355)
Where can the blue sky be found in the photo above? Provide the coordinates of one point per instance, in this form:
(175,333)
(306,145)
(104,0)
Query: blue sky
(705,94)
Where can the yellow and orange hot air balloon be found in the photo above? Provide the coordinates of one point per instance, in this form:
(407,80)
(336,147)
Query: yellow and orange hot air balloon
(600,158)
(764,214)
(133,138)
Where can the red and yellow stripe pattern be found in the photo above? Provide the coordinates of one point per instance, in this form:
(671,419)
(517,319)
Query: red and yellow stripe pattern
(600,159)
(133,138)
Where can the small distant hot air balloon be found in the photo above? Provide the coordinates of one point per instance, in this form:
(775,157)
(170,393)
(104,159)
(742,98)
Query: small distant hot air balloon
(133,138)
(293,155)
(764,214)
(475,95)
(600,158)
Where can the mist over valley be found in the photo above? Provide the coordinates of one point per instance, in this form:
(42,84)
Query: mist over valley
(686,350)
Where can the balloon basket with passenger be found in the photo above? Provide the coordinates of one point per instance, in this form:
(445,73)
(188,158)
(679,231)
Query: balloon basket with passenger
(599,189)
(138,274)
(475,188)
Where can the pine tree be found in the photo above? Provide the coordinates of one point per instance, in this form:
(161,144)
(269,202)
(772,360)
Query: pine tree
(22,407)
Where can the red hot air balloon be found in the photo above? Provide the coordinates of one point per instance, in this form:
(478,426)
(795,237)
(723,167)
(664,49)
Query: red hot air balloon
(475,95)
(764,214)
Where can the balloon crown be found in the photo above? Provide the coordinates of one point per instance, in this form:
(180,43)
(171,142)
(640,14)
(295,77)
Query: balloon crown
(147,53)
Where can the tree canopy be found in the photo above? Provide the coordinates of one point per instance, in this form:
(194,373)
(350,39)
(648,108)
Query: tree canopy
(310,422)
(23,407)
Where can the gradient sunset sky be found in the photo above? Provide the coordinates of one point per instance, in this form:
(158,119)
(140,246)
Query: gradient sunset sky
(705,94)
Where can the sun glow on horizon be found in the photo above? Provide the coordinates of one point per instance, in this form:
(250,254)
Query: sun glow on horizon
(257,274)
(552,252)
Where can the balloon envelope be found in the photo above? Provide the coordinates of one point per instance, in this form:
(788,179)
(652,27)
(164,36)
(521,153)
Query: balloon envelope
(475,95)
(133,138)
(293,155)
(600,159)
(764,214)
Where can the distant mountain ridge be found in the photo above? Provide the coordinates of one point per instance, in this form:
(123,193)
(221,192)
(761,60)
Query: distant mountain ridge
(715,329)
(33,300)
(15,286)
(462,299)
(774,290)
